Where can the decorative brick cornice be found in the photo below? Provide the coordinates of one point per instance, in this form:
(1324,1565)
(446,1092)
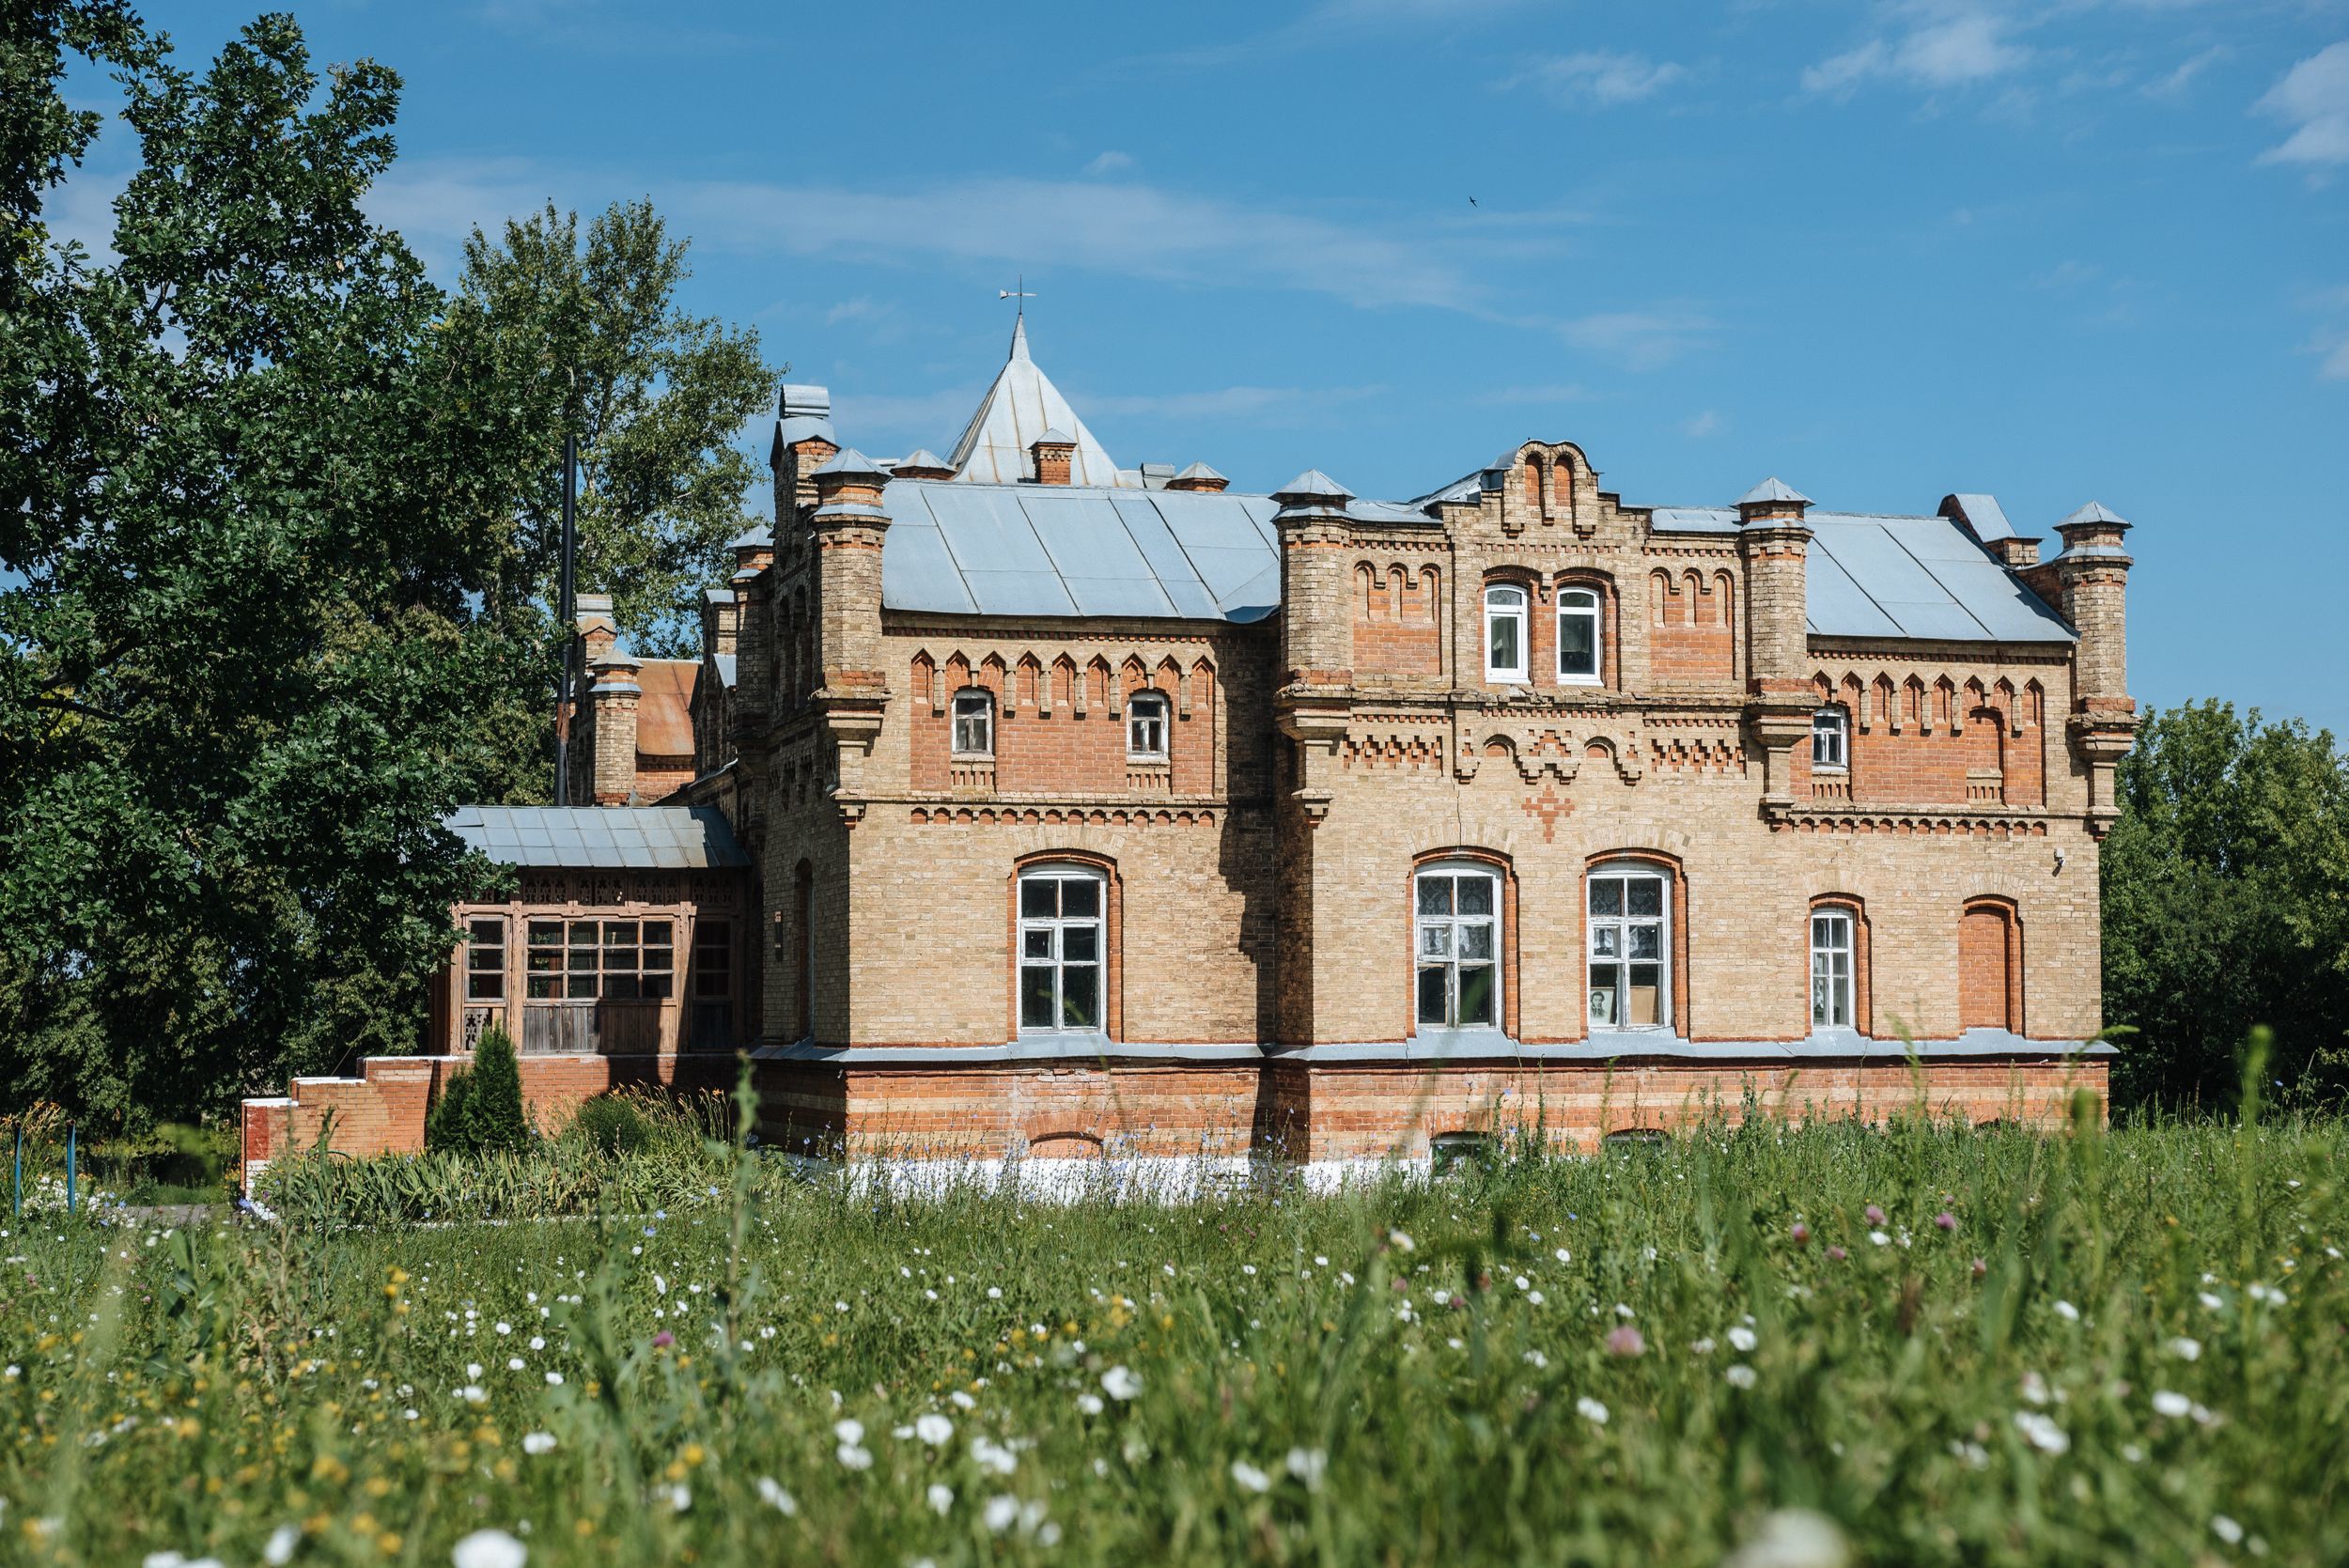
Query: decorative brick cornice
(1915,820)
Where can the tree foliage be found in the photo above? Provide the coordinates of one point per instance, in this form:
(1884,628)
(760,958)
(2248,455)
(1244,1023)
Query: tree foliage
(588,328)
(2226,905)
(245,666)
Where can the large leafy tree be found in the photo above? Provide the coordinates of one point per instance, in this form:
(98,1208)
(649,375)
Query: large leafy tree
(2226,900)
(589,330)
(251,647)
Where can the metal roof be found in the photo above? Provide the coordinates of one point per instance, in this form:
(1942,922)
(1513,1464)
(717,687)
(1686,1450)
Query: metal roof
(1772,488)
(664,711)
(1021,407)
(2095,512)
(1070,550)
(638,838)
(726,662)
(1981,513)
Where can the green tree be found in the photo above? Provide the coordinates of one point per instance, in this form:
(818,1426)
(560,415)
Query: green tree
(244,672)
(2226,905)
(480,1109)
(588,329)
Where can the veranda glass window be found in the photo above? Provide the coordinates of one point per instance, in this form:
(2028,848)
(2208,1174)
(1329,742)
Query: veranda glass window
(1578,635)
(1631,942)
(1831,969)
(1061,949)
(1455,941)
(713,959)
(484,959)
(621,960)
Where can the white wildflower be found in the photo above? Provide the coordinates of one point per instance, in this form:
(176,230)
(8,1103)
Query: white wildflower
(1250,1478)
(1307,1465)
(853,1457)
(681,1498)
(1703,1347)
(2035,1388)
(2186,1349)
(775,1496)
(933,1428)
(2169,1402)
(2041,1433)
(537,1442)
(1742,1338)
(2068,1313)
(1089,1403)
(2225,1529)
(849,1430)
(279,1549)
(490,1548)
(1740,1377)
(1591,1410)
(1001,1514)
(1121,1382)
(941,1499)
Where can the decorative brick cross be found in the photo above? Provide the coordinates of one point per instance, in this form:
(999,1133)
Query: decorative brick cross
(1549,806)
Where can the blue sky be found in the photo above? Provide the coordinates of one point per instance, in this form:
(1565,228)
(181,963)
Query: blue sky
(2093,248)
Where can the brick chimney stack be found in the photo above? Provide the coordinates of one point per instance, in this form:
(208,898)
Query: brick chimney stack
(613,728)
(1774,541)
(2089,584)
(922,464)
(1198,477)
(804,441)
(1053,453)
(1317,629)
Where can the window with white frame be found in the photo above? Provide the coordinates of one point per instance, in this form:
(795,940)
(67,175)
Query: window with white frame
(1456,945)
(1831,969)
(1061,949)
(1146,726)
(974,724)
(1504,632)
(1578,636)
(1630,942)
(1830,739)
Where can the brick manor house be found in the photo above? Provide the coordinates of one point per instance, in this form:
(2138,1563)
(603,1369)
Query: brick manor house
(1024,804)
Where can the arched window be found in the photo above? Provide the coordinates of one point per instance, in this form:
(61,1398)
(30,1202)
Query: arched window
(975,723)
(1062,949)
(1834,967)
(1456,945)
(1146,726)
(1630,942)
(1830,740)
(1578,636)
(1504,632)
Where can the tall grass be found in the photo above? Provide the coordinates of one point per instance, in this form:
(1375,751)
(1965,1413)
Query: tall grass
(2089,1347)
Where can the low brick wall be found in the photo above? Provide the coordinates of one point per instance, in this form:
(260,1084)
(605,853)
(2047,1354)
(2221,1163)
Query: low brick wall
(382,1109)
(1363,1112)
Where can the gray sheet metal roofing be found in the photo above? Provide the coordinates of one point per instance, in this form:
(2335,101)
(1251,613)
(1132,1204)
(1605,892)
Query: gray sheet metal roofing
(635,838)
(955,548)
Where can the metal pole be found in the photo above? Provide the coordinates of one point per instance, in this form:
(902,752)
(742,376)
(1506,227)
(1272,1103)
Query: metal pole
(16,1186)
(568,613)
(69,1158)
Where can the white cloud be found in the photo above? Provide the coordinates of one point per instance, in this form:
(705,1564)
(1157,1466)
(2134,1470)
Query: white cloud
(1941,50)
(1260,405)
(1641,339)
(2188,69)
(1706,424)
(1504,397)
(1110,163)
(2336,365)
(2313,99)
(1597,78)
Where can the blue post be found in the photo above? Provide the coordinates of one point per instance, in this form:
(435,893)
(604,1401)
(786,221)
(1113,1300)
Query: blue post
(70,1131)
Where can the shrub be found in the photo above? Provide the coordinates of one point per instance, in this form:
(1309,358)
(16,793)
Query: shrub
(612,1126)
(480,1110)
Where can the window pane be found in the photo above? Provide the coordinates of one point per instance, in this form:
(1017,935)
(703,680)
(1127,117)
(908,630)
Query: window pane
(619,933)
(1037,944)
(656,987)
(583,958)
(620,958)
(582,933)
(485,958)
(490,931)
(1434,895)
(583,985)
(1578,598)
(1080,897)
(1476,994)
(1577,645)
(1607,941)
(1606,896)
(1646,895)
(1080,997)
(545,985)
(662,958)
(1435,942)
(1645,941)
(1431,991)
(706,983)
(1819,1000)
(1646,992)
(620,987)
(659,932)
(546,933)
(1039,897)
(1035,996)
(1476,895)
(1603,978)
(547,959)
(1079,944)
(1504,654)
(1476,942)
(486,986)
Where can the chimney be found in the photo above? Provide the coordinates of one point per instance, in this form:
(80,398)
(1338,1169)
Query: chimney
(1986,519)
(1198,477)
(1774,542)
(2092,581)
(851,527)
(1053,452)
(721,619)
(754,549)
(922,464)
(804,441)
(598,631)
(614,727)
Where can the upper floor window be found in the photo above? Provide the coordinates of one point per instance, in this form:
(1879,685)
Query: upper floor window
(1630,937)
(1831,969)
(1830,739)
(1146,726)
(1578,635)
(1457,946)
(1504,632)
(974,724)
(1061,949)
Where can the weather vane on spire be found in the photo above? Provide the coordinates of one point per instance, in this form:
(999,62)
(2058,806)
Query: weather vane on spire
(1019,291)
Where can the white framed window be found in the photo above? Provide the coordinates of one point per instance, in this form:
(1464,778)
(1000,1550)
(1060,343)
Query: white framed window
(1504,632)
(1456,945)
(1146,726)
(1830,740)
(1061,950)
(974,724)
(1578,636)
(1831,951)
(1630,942)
